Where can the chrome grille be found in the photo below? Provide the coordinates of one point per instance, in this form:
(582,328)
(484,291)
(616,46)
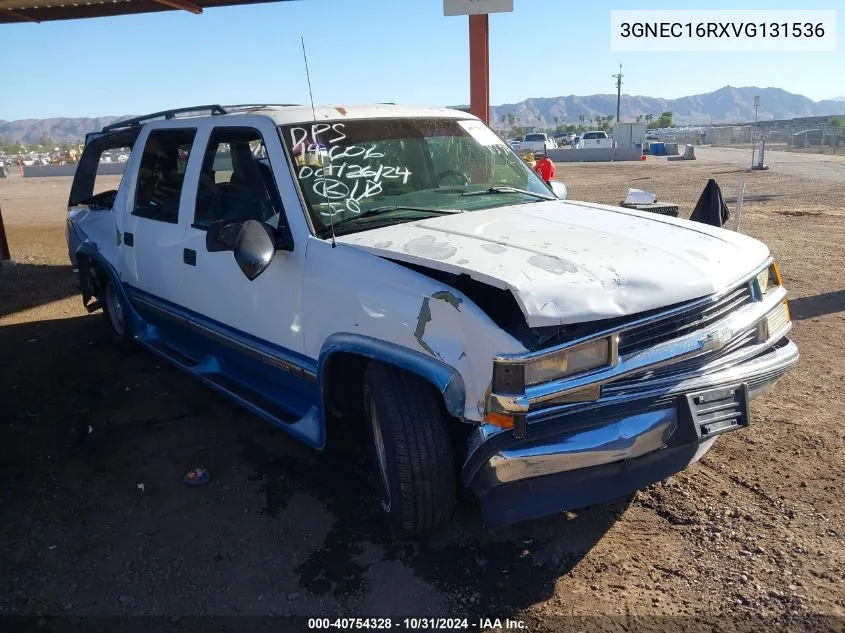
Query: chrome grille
(629,383)
(647,335)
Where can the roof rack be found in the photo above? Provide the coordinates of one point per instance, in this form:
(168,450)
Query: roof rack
(247,106)
(166,114)
(171,114)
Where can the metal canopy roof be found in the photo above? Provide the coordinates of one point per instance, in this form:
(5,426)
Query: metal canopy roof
(47,10)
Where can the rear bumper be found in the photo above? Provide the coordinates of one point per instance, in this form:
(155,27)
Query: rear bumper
(578,456)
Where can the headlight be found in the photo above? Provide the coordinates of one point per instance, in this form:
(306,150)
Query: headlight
(514,377)
(768,279)
(567,362)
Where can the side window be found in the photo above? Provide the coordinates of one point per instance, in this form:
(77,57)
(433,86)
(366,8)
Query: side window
(110,169)
(236,182)
(100,169)
(162,173)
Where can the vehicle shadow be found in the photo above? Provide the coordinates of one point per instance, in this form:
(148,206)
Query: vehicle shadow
(93,448)
(817,305)
(513,567)
(24,286)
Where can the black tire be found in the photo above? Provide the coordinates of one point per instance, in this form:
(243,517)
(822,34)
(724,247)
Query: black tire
(119,327)
(417,486)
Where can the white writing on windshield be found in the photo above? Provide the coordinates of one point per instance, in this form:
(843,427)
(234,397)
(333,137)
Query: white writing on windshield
(323,145)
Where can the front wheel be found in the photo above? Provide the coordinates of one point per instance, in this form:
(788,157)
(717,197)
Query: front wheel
(412,450)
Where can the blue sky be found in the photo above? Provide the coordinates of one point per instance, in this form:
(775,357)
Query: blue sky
(369,50)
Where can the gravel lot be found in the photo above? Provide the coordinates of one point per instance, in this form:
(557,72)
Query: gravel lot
(94,519)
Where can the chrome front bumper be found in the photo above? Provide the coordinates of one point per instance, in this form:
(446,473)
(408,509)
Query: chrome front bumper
(577,455)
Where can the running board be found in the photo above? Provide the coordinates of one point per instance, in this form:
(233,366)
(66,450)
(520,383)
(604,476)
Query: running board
(306,428)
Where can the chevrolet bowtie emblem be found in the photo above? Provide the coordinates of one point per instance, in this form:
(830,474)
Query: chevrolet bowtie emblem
(716,340)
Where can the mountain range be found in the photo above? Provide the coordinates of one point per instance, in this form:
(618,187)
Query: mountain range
(726,105)
(60,129)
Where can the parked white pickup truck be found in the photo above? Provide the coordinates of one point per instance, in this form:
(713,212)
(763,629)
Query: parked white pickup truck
(596,138)
(537,142)
(405,268)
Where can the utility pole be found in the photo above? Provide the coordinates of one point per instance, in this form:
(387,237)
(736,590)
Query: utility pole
(618,79)
(754,129)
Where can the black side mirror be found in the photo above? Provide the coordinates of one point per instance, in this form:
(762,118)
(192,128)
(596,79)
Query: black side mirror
(254,248)
(222,236)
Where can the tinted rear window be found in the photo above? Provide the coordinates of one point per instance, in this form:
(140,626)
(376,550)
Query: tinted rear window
(535,137)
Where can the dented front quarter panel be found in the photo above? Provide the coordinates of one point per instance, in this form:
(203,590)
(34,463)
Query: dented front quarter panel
(348,290)
(95,227)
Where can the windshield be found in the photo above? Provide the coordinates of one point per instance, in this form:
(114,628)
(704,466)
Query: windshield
(373,172)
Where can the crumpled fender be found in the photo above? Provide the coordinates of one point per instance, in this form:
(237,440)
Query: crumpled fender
(447,380)
(88,251)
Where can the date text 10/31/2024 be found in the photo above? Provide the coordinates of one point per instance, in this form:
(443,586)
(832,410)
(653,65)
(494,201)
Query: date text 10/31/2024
(417,624)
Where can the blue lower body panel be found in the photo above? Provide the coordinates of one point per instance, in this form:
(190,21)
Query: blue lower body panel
(268,381)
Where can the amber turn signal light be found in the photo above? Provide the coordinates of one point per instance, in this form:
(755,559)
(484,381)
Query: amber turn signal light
(500,420)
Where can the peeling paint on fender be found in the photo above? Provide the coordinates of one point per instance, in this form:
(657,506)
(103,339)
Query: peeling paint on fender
(449,297)
(403,307)
(424,317)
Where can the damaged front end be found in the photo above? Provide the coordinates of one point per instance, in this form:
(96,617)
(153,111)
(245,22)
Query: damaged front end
(621,404)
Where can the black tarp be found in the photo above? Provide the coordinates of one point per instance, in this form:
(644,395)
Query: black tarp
(711,207)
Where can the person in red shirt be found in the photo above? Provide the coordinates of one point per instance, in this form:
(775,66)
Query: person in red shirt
(545,168)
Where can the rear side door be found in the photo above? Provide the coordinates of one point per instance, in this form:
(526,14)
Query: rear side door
(153,228)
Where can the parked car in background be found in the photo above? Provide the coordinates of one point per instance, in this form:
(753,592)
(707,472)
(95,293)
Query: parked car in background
(595,138)
(537,142)
(652,135)
(562,138)
(515,144)
(419,279)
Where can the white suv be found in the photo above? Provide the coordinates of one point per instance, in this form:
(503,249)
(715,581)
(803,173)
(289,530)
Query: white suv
(404,267)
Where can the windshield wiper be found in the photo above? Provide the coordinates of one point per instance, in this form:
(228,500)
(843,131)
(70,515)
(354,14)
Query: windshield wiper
(401,207)
(495,190)
(369,213)
(375,211)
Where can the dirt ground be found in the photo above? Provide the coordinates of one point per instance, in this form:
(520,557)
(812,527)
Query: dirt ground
(95,520)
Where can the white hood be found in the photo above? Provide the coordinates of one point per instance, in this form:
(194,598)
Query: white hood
(574,262)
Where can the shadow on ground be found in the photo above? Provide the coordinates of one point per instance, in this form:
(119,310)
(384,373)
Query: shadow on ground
(96,520)
(24,286)
(817,305)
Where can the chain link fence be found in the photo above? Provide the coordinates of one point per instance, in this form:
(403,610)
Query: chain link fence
(809,137)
